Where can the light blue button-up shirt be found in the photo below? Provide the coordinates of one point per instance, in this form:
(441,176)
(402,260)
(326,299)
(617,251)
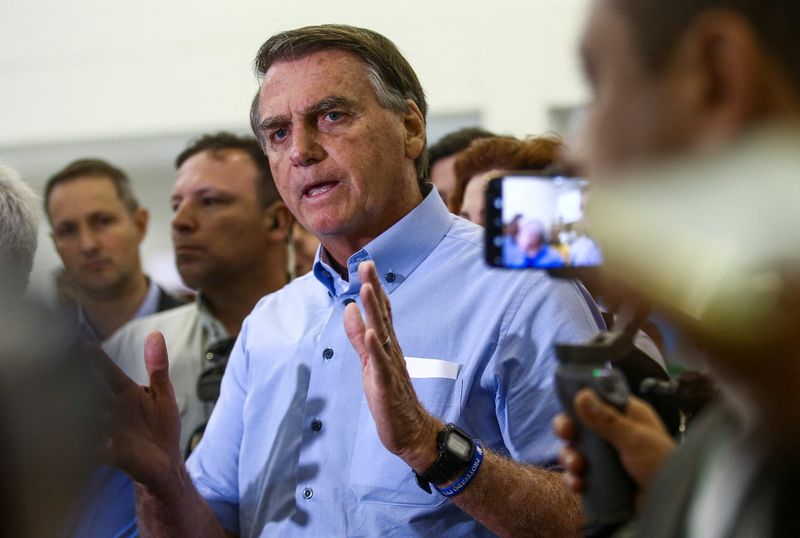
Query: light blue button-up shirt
(291,448)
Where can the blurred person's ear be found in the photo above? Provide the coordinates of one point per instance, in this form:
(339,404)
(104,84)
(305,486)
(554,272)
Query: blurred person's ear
(724,76)
(141,217)
(278,221)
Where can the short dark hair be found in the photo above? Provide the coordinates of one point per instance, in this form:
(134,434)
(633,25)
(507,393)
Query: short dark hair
(657,26)
(388,71)
(93,168)
(455,142)
(216,143)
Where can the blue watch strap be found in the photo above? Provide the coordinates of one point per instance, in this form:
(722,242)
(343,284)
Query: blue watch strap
(469,474)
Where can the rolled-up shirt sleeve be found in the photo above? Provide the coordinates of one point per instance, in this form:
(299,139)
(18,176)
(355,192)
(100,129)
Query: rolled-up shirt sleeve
(214,464)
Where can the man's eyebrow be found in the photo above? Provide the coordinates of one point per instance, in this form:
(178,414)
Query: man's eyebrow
(199,192)
(323,105)
(271,122)
(328,103)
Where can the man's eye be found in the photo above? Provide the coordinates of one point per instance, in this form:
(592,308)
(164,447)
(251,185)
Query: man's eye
(208,202)
(66,231)
(333,116)
(279,134)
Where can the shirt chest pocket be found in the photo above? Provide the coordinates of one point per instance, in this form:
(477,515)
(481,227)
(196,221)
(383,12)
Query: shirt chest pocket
(376,475)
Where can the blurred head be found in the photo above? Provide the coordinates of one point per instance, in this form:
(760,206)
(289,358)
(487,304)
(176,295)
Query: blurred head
(227,215)
(341,117)
(442,156)
(49,417)
(97,226)
(488,157)
(675,76)
(305,249)
(19,224)
(530,235)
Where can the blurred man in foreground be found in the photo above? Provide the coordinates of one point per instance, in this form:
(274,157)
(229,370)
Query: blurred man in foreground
(47,416)
(701,80)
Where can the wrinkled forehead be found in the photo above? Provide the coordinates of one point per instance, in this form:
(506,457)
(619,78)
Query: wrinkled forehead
(313,76)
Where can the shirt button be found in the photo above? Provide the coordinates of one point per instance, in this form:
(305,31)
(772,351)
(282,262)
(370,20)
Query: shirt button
(316,425)
(308,493)
(348,301)
(390,277)
(327,354)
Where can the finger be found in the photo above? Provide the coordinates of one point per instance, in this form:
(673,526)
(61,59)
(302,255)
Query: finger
(602,418)
(354,328)
(571,460)
(369,274)
(380,358)
(373,312)
(574,482)
(641,412)
(564,427)
(157,362)
(111,374)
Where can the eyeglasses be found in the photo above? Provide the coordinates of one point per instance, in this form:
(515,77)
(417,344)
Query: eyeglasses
(216,359)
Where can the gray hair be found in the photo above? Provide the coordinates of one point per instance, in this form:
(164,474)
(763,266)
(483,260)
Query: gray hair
(388,72)
(19,225)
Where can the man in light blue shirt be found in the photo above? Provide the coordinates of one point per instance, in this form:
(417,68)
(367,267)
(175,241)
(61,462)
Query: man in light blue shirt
(323,421)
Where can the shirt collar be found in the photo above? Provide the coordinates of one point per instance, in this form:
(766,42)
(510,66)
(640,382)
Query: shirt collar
(148,306)
(150,303)
(211,325)
(396,252)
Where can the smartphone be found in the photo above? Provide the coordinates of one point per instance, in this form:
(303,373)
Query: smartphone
(535,221)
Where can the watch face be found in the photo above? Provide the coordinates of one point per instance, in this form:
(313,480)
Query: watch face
(458,446)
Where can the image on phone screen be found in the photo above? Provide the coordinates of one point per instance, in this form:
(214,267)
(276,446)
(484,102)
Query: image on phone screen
(539,222)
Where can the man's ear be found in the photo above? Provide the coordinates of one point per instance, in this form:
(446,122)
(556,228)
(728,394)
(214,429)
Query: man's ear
(141,217)
(728,60)
(414,124)
(278,221)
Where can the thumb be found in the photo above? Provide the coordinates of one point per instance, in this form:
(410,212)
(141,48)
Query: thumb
(355,329)
(601,418)
(156,361)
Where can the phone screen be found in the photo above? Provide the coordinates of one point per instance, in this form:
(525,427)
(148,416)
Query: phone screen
(538,222)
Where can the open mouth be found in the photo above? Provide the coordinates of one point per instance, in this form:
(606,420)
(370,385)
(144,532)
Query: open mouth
(318,189)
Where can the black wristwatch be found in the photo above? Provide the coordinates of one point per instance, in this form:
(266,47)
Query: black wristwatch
(456,450)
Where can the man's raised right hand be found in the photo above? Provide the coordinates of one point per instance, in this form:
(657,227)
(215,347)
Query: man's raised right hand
(143,429)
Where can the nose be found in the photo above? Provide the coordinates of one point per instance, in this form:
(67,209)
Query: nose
(88,240)
(183,219)
(306,149)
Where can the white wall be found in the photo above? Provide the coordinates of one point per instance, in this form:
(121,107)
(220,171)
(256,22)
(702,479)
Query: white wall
(132,81)
(95,68)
